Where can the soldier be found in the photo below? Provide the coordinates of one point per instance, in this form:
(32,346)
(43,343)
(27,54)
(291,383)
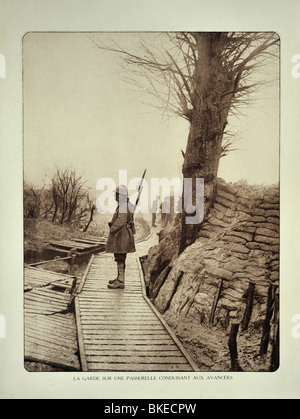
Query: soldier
(154,210)
(121,236)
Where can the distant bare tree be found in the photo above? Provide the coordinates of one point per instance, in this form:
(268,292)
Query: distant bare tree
(31,200)
(68,193)
(66,200)
(55,197)
(47,204)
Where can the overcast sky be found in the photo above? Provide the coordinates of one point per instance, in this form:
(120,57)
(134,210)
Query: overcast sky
(78,112)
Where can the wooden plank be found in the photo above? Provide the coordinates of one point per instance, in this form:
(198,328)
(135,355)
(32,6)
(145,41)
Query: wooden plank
(133,340)
(41,311)
(69,244)
(115,295)
(51,321)
(102,286)
(46,272)
(102,282)
(50,342)
(57,317)
(44,359)
(121,349)
(115,303)
(114,308)
(127,292)
(50,339)
(66,331)
(138,359)
(83,360)
(42,329)
(168,329)
(42,301)
(85,275)
(109,339)
(60,320)
(57,354)
(98,285)
(102,366)
(43,262)
(40,308)
(152,323)
(108,314)
(57,358)
(50,307)
(47,297)
(117,335)
(119,330)
(89,241)
(47,292)
(149,323)
(132,331)
(124,354)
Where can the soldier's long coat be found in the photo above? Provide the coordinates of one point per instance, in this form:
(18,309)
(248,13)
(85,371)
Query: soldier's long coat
(121,235)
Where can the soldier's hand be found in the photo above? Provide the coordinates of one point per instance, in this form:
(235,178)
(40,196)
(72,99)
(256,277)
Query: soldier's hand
(109,225)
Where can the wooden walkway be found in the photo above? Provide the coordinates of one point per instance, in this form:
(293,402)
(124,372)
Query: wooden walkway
(49,329)
(120,330)
(81,248)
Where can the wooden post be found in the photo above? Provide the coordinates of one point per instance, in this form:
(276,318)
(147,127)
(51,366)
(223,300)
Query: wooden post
(274,335)
(233,348)
(249,306)
(191,300)
(266,325)
(177,280)
(159,282)
(216,299)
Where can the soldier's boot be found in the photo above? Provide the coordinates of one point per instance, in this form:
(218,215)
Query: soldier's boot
(120,268)
(112,281)
(119,281)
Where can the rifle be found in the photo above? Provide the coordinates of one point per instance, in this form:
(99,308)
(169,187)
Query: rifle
(139,191)
(136,202)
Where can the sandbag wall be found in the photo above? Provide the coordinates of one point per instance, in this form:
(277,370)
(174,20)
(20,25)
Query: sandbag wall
(234,260)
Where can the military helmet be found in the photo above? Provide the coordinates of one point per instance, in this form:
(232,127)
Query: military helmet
(122,190)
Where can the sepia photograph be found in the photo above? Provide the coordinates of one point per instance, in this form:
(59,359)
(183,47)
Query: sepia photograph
(151,201)
(149,215)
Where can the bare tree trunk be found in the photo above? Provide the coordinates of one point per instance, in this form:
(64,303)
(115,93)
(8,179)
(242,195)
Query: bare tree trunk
(202,162)
(91,218)
(202,158)
(208,119)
